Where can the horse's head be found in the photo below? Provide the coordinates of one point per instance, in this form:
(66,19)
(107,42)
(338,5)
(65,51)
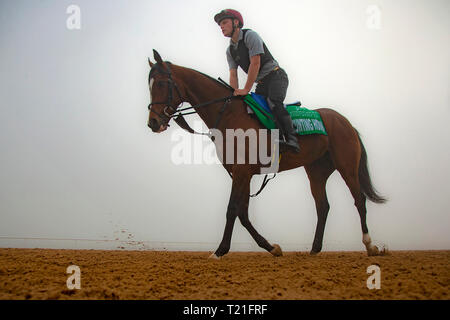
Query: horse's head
(165,94)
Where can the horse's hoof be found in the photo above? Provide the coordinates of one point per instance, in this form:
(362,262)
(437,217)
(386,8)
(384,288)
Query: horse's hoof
(313,253)
(276,251)
(373,251)
(213,257)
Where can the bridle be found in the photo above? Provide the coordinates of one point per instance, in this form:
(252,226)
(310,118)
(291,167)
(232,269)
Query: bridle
(166,116)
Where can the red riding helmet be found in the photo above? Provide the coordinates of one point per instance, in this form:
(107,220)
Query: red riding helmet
(229,13)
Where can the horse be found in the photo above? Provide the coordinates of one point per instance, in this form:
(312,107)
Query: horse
(341,149)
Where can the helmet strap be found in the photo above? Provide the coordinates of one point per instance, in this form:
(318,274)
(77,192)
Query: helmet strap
(234,28)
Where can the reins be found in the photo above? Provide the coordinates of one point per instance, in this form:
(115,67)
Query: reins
(182,122)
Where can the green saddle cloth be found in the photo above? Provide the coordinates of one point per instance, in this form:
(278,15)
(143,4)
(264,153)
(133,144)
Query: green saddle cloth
(305,121)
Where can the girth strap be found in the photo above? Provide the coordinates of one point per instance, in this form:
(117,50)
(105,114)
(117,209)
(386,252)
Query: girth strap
(263,185)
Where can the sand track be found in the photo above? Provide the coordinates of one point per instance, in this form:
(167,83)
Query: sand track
(41,274)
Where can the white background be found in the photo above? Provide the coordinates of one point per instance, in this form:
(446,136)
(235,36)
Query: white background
(79,162)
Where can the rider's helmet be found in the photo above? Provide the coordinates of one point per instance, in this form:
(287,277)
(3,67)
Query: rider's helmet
(229,13)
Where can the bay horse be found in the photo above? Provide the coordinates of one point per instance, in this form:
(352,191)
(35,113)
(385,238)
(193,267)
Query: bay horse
(342,149)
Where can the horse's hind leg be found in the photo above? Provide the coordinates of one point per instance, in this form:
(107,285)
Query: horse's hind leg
(318,173)
(351,178)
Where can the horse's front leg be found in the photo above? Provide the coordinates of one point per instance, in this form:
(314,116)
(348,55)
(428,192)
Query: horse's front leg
(240,192)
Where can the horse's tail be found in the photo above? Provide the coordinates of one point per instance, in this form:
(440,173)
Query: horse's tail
(364,177)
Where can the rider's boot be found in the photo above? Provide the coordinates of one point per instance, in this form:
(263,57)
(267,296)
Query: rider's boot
(284,123)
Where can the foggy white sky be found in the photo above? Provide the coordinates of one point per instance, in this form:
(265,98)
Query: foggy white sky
(78,160)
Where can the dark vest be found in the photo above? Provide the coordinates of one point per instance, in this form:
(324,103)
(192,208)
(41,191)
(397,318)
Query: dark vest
(241,55)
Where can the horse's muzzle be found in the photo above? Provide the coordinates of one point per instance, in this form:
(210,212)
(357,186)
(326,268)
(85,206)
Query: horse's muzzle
(153,124)
(156,126)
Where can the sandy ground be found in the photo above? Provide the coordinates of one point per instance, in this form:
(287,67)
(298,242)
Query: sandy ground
(41,274)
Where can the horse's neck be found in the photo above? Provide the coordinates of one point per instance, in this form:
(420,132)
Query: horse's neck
(201,90)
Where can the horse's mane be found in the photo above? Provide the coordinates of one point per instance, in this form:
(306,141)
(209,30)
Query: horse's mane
(157,67)
(211,78)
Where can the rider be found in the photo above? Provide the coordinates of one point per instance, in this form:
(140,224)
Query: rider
(248,51)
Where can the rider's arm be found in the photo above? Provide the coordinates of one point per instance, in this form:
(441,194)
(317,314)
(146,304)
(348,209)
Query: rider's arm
(255,47)
(255,64)
(234,82)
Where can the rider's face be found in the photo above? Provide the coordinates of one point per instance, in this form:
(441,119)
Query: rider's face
(227,27)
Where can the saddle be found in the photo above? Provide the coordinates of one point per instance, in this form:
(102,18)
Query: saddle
(305,121)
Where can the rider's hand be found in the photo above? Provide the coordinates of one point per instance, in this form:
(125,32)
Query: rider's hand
(240,92)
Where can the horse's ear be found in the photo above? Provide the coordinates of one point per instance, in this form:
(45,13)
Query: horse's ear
(150,63)
(157,56)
